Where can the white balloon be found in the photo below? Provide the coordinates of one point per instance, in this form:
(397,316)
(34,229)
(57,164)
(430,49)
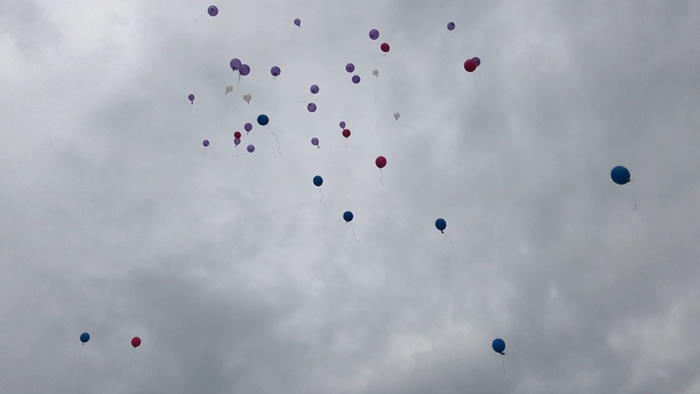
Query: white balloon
(375,72)
(247,97)
(229,89)
(396,115)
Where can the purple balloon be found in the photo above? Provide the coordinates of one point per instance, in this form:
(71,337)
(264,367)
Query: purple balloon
(477,61)
(314,89)
(236,141)
(275,71)
(311,107)
(244,69)
(205,143)
(342,125)
(297,22)
(248,127)
(212,10)
(349,67)
(191,98)
(235,63)
(355,79)
(314,141)
(250,148)
(374,34)
(451,26)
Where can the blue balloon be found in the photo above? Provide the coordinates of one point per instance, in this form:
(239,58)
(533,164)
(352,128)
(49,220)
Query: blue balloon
(318,181)
(263,119)
(84,337)
(347,216)
(441,224)
(498,345)
(620,175)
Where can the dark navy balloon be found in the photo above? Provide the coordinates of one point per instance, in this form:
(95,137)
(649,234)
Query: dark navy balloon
(347,216)
(441,224)
(499,345)
(84,337)
(318,181)
(263,120)
(620,175)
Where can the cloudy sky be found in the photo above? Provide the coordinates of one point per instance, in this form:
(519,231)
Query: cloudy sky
(240,276)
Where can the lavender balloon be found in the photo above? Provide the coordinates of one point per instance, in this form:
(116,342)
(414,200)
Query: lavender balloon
(297,22)
(205,143)
(275,71)
(248,127)
(349,67)
(236,141)
(342,125)
(355,79)
(311,107)
(235,63)
(477,61)
(213,10)
(451,26)
(314,89)
(244,69)
(374,34)
(191,98)
(250,148)
(314,141)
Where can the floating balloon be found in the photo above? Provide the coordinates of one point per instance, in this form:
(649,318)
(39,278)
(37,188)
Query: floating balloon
(348,216)
(441,224)
(263,120)
(499,345)
(205,143)
(314,141)
(191,98)
(477,60)
(236,141)
(250,148)
(342,125)
(235,63)
(248,127)
(384,47)
(212,10)
(275,71)
(380,162)
(237,134)
(314,89)
(84,337)
(135,342)
(375,72)
(470,65)
(229,89)
(349,67)
(247,97)
(620,175)
(318,181)
(355,79)
(397,115)
(244,69)
(311,107)
(451,26)
(346,133)
(374,34)
(297,22)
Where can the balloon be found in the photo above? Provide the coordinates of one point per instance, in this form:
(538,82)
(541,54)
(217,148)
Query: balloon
(212,10)
(346,133)
(347,216)
(349,67)
(229,89)
(237,134)
(451,26)
(236,141)
(397,115)
(250,148)
(477,60)
(244,69)
(314,141)
(499,345)
(205,143)
(441,224)
(311,107)
(470,65)
(620,175)
(135,342)
(314,89)
(384,47)
(275,71)
(84,337)
(248,127)
(374,34)
(235,63)
(342,125)
(247,97)
(263,119)
(375,72)
(191,98)
(318,181)
(355,79)
(380,162)
(297,22)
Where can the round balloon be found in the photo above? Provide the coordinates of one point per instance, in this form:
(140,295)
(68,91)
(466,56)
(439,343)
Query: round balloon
(441,224)
(374,34)
(349,67)
(247,97)
(451,26)
(314,141)
(384,47)
(205,143)
(499,345)
(275,71)
(314,89)
(342,125)
(263,119)
(248,127)
(620,175)
(346,133)
(84,337)
(135,342)
(250,148)
(347,216)
(212,10)
(244,69)
(237,134)
(397,115)
(191,98)
(236,141)
(318,181)
(477,61)
(355,79)
(297,22)
(380,162)
(375,72)
(311,107)
(470,65)
(235,63)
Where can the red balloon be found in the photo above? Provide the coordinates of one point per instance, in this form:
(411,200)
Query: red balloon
(380,162)
(237,134)
(346,133)
(384,47)
(135,342)
(470,65)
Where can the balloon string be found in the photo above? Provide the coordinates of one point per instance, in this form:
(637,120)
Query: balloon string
(195,21)
(353,233)
(320,191)
(346,143)
(474,80)
(381,177)
(447,237)
(504,371)
(278,141)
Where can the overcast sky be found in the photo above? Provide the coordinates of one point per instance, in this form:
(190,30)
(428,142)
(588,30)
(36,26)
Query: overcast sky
(240,276)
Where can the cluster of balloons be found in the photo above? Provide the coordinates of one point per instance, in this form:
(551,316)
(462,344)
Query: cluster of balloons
(135,341)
